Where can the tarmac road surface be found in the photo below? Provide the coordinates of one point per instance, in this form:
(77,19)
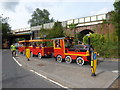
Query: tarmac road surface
(14,76)
(67,75)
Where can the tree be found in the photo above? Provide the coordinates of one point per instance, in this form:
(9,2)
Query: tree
(116,17)
(4,31)
(5,27)
(56,31)
(72,27)
(40,17)
(117,21)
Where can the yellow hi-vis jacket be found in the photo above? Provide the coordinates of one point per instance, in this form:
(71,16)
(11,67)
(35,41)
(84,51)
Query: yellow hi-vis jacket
(13,47)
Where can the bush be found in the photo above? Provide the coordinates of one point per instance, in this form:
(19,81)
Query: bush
(106,48)
(96,40)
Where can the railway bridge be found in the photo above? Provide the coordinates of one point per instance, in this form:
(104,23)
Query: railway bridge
(93,24)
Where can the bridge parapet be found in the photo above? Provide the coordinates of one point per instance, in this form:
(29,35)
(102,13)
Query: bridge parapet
(22,29)
(90,20)
(34,28)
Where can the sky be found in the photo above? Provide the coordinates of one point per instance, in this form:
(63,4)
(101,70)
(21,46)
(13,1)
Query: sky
(20,11)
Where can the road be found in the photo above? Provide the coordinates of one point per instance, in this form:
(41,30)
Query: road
(14,76)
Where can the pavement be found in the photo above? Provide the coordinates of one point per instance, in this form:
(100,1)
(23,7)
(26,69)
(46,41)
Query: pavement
(69,75)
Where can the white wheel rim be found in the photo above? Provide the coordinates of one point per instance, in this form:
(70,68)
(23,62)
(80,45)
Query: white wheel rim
(39,55)
(31,54)
(68,59)
(59,58)
(80,61)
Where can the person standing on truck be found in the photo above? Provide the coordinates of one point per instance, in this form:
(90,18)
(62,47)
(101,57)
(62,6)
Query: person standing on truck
(13,49)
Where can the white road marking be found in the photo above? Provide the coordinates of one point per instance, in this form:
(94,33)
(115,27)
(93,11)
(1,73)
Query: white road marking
(115,71)
(57,83)
(39,74)
(17,62)
(49,79)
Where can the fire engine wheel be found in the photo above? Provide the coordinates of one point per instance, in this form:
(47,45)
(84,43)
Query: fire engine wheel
(68,59)
(80,61)
(31,54)
(39,55)
(23,53)
(59,58)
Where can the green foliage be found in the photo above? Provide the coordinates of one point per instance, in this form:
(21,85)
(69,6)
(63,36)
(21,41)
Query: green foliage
(115,17)
(19,39)
(56,31)
(48,44)
(44,32)
(40,17)
(4,27)
(110,46)
(117,6)
(72,26)
(116,20)
(106,48)
(110,49)
(97,40)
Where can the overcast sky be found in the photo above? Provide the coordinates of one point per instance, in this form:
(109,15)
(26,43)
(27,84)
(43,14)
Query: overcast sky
(20,11)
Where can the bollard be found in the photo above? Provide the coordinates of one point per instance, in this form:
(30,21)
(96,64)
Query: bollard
(93,63)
